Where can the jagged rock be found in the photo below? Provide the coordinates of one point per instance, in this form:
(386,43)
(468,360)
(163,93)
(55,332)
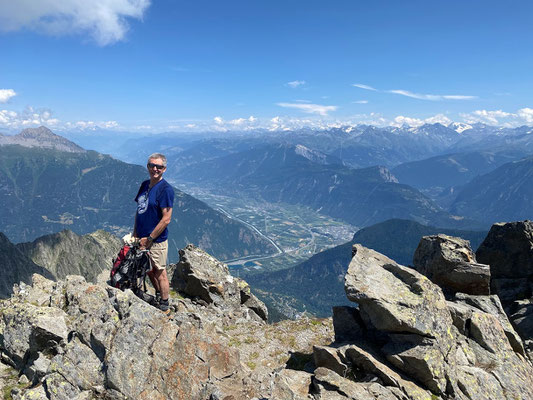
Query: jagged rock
(523,317)
(144,354)
(37,393)
(249,300)
(67,253)
(460,349)
(199,275)
(490,305)
(79,341)
(395,298)
(450,263)
(96,317)
(38,368)
(347,323)
(369,367)
(461,314)
(508,249)
(291,385)
(16,267)
(58,388)
(330,386)
(30,330)
(42,292)
(79,366)
(327,357)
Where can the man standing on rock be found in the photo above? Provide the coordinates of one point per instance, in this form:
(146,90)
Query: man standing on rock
(154,211)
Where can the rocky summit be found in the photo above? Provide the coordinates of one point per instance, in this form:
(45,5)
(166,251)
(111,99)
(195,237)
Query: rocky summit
(406,338)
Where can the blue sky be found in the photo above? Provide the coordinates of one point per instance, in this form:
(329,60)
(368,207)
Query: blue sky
(148,66)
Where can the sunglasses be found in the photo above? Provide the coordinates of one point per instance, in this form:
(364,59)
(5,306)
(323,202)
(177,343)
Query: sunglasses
(157,166)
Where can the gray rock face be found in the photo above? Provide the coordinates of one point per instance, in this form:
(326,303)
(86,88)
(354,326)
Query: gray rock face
(198,275)
(100,342)
(422,345)
(394,298)
(16,267)
(67,253)
(508,249)
(450,263)
(348,324)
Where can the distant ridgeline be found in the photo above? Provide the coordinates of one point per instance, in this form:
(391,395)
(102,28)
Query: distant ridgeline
(298,175)
(318,282)
(45,190)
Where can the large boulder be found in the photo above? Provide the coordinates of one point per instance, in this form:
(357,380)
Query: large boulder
(411,339)
(408,307)
(394,298)
(200,276)
(508,249)
(450,263)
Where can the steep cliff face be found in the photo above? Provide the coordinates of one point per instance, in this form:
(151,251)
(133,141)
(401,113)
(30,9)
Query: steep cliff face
(407,339)
(67,253)
(16,267)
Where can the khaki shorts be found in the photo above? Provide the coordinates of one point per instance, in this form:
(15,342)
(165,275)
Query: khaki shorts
(158,255)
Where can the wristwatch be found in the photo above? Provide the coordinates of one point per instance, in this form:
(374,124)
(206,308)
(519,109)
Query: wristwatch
(150,239)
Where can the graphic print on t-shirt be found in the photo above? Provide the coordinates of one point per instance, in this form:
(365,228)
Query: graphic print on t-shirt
(142,203)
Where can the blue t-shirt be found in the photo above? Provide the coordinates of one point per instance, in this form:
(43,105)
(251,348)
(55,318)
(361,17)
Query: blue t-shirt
(150,202)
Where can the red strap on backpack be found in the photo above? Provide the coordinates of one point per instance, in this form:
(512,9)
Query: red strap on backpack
(120,257)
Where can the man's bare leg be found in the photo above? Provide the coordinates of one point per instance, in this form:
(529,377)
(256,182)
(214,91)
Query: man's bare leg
(161,278)
(155,282)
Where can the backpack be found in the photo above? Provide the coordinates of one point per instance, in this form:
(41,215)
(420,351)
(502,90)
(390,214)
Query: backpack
(129,269)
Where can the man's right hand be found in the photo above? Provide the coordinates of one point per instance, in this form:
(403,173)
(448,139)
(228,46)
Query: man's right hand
(145,243)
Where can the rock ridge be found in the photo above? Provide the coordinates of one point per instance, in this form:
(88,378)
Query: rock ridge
(406,338)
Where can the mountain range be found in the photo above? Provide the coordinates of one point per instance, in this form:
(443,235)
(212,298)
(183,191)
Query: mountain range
(505,194)
(45,190)
(299,175)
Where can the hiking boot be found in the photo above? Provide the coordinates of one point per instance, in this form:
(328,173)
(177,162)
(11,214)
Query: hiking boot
(164,306)
(145,296)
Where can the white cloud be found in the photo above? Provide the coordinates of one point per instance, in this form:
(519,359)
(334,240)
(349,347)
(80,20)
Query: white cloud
(6,94)
(104,20)
(238,121)
(366,87)
(28,118)
(295,84)
(431,97)
(310,108)
(494,117)
(218,120)
(360,102)
(91,125)
(526,114)
(32,117)
(438,119)
(400,120)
